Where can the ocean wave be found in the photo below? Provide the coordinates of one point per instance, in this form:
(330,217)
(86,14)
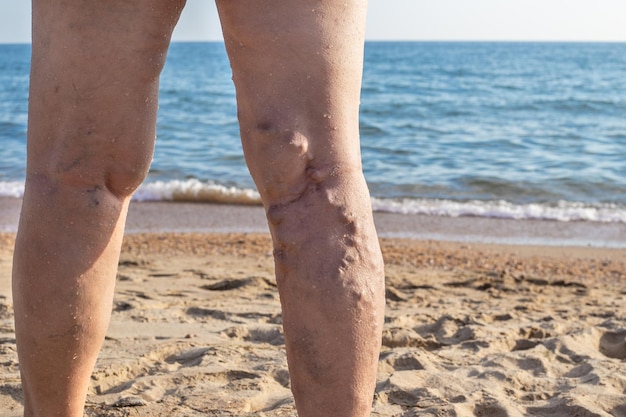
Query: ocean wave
(193,190)
(564,211)
(13,189)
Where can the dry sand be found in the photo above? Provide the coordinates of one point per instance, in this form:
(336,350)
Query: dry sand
(471,330)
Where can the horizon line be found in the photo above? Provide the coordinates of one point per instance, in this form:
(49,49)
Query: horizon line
(403,40)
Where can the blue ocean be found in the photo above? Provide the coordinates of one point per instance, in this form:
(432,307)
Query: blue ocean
(505,130)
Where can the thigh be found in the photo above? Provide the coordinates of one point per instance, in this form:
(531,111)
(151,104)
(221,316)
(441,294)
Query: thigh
(94,84)
(297,70)
(298,43)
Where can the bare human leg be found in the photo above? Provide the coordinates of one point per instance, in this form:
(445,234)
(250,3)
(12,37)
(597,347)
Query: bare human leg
(92,111)
(297,70)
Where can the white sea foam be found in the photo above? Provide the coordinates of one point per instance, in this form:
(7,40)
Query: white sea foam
(563,211)
(196,191)
(193,190)
(13,189)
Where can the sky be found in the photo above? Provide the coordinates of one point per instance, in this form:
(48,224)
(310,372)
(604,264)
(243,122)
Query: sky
(443,20)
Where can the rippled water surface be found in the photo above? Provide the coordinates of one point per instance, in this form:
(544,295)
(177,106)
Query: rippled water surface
(523,130)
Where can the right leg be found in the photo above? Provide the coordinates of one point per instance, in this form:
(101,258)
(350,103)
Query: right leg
(92,113)
(297,70)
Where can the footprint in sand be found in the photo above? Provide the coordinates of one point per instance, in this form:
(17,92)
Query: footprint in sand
(579,371)
(619,411)
(6,310)
(402,337)
(12,390)
(264,333)
(490,409)
(448,331)
(191,357)
(233,284)
(564,406)
(207,313)
(404,359)
(613,344)
(122,306)
(531,337)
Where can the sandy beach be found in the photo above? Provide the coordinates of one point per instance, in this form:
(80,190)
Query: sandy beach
(472,329)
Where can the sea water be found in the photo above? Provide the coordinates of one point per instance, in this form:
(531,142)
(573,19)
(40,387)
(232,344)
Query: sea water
(505,130)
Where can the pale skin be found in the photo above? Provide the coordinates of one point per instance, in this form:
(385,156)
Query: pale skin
(93,100)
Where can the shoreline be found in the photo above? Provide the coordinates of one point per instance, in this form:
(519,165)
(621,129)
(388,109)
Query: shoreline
(162,216)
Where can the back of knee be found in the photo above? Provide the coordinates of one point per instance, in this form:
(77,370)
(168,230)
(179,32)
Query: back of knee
(278,157)
(118,173)
(123,179)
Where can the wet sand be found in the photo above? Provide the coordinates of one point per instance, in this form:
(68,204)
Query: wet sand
(471,330)
(214,218)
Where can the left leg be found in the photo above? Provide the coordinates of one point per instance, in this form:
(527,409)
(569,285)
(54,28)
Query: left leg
(92,111)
